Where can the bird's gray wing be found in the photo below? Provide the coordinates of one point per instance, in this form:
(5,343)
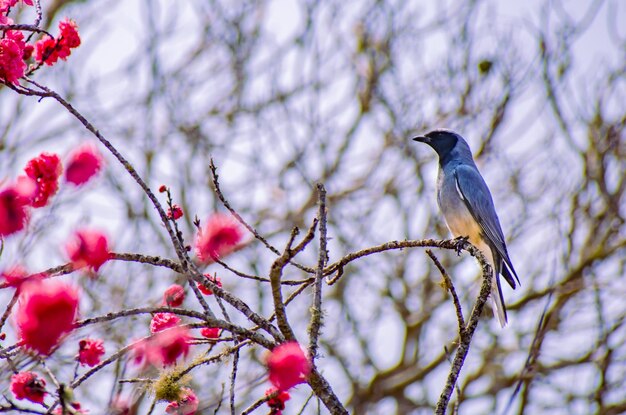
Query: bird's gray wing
(475,194)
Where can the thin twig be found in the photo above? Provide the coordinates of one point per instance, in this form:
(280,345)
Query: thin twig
(38,12)
(241,274)
(449,287)
(7,311)
(219,401)
(315,323)
(339,265)
(306,403)
(256,405)
(212,359)
(533,353)
(233,378)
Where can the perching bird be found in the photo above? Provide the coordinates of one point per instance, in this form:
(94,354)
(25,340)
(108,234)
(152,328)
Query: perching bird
(467,206)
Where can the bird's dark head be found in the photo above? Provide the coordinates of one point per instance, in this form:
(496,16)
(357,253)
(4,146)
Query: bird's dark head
(441,140)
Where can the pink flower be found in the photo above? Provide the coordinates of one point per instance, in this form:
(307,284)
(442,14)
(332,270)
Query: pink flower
(75,409)
(46,311)
(83,164)
(187,404)
(288,366)
(12,65)
(174,295)
(88,248)
(217,238)
(210,332)
(50,50)
(28,52)
(5,4)
(45,170)
(162,321)
(46,49)
(14,276)
(69,34)
(163,348)
(17,275)
(27,385)
(13,210)
(277,403)
(26,187)
(141,352)
(205,289)
(175,212)
(162,188)
(90,351)
(172,344)
(119,406)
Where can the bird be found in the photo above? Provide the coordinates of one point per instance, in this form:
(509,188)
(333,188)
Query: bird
(468,209)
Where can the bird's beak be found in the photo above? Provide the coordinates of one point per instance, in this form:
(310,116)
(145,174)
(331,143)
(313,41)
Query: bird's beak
(422,139)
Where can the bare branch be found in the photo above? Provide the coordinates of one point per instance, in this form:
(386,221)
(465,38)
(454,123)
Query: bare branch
(315,322)
(449,287)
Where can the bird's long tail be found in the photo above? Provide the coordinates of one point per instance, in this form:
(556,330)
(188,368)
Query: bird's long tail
(497,300)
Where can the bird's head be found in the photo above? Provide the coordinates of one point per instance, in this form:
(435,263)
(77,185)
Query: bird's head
(441,140)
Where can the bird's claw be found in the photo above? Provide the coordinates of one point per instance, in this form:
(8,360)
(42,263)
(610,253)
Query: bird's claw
(459,244)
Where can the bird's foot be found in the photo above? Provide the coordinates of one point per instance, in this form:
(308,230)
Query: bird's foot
(459,244)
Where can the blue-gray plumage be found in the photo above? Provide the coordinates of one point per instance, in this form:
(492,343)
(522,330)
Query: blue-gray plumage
(467,206)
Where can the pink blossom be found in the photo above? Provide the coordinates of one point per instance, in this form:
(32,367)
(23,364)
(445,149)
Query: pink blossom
(46,48)
(172,344)
(12,65)
(69,33)
(16,275)
(88,248)
(174,295)
(277,402)
(27,385)
(13,210)
(90,351)
(75,409)
(162,321)
(210,332)
(46,310)
(187,404)
(205,288)
(288,366)
(51,50)
(119,406)
(175,212)
(5,4)
(163,348)
(83,164)
(219,237)
(44,170)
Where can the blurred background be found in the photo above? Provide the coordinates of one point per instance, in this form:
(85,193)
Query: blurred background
(285,94)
